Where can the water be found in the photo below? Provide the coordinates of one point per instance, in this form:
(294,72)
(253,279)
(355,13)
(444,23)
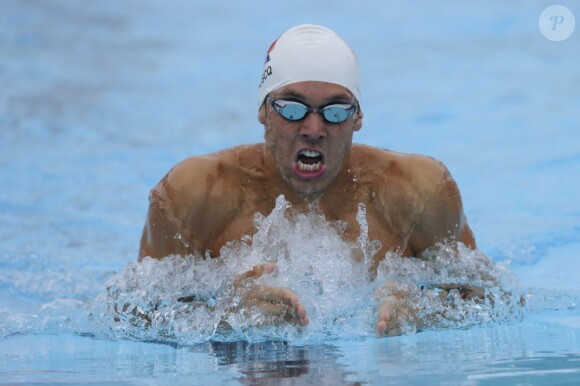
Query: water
(98,101)
(146,300)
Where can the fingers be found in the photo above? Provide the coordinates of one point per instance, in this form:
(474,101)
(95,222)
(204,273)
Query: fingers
(383,320)
(284,298)
(282,312)
(256,272)
(397,316)
(281,302)
(387,323)
(271,301)
(288,297)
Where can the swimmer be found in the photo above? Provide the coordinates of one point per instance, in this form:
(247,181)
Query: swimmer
(309,105)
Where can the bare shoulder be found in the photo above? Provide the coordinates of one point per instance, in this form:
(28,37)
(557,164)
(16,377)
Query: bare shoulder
(417,193)
(420,173)
(206,179)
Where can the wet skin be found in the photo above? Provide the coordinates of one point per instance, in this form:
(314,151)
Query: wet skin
(205,201)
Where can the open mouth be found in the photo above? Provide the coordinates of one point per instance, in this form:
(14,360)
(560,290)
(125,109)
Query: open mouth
(309,163)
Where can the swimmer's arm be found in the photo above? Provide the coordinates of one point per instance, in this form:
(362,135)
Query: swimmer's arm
(443,219)
(189,208)
(180,219)
(161,233)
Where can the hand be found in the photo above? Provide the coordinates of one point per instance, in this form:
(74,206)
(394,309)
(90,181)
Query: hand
(394,317)
(396,312)
(278,305)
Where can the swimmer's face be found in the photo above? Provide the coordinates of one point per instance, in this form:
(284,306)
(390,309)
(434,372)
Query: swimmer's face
(309,153)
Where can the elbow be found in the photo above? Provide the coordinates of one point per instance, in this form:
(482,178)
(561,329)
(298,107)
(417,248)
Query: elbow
(467,237)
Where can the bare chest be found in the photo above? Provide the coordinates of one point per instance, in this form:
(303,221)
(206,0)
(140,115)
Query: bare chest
(386,233)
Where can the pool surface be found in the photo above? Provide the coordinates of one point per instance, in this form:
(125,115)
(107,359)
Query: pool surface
(99,99)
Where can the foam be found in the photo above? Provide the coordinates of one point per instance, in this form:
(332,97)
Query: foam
(313,260)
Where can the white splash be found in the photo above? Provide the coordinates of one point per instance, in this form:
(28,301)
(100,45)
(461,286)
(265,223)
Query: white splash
(191,299)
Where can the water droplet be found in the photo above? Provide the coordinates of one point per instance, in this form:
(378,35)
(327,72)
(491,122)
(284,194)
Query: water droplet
(313,259)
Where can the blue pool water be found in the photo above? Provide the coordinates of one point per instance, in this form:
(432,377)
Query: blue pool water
(98,99)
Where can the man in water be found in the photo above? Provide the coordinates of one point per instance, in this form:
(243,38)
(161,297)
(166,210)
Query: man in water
(309,104)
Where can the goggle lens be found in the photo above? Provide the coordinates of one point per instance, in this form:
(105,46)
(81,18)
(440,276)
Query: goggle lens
(295,111)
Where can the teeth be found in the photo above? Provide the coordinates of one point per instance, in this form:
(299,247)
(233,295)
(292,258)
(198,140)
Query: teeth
(310,153)
(307,167)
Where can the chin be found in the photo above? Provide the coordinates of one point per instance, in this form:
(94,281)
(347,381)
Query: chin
(308,188)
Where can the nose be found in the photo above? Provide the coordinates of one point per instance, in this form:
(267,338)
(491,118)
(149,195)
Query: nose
(313,127)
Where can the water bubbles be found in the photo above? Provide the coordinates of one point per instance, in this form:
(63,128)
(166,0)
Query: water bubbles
(179,237)
(192,299)
(368,248)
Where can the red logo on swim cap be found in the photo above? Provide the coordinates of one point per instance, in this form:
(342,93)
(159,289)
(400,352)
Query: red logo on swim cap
(270,49)
(272,45)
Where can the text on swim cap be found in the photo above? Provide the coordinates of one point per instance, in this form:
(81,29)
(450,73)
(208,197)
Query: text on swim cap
(267,72)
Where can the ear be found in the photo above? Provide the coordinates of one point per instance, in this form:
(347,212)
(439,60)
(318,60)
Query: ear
(262,114)
(358,120)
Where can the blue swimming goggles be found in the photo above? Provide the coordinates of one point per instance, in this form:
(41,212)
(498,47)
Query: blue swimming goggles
(295,111)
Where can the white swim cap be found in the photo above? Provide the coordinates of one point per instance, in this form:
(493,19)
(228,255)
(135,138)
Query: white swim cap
(309,52)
